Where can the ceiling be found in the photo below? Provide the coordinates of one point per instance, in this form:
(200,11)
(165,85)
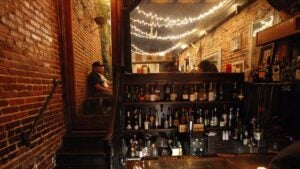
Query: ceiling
(176,9)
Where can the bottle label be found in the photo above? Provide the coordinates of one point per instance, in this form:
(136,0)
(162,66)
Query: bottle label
(192,97)
(146,125)
(211,96)
(185,97)
(152,97)
(173,97)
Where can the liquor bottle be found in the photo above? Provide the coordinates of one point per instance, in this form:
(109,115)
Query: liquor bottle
(268,70)
(146,122)
(246,138)
(258,135)
(211,93)
(128,126)
(157,119)
(176,120)
(170,118)
(147,95)
(157,92)
(132,93)
(136,94)
(203,93)
(241,94)
(223,121)
(192,94)
(200,119)
(185,95)
(191,120)
(151,119)
(127,94)
(141,96)
(221,92)
(136,119)
(230,117)
(167,92)
(196,92)
(140,118)
(206,118)
(214,118)
(235,91)
(152,96)
(165,121)
(276,69)
(161,115)
(173,95)
(183,119)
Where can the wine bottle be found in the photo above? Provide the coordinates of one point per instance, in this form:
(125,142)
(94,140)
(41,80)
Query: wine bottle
(173,95)
(276,69)
(185,95)
(192,94)
(211,94)
(170,118)
(221,93)
(235,91)
(167,92)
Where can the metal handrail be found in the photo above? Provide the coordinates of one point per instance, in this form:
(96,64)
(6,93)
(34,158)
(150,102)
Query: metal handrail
(26,137)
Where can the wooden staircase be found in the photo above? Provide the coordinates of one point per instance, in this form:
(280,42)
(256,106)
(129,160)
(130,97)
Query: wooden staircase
(84,151)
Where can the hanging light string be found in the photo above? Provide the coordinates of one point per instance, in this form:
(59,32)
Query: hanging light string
(137,50)
(167,22)
(264,25)
(140,34)
(161,53)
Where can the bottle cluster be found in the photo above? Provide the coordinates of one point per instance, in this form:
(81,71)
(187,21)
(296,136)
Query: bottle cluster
(275,71)
(225,122)
(195,92)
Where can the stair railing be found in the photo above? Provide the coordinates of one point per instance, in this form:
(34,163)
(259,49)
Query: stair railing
(26,137)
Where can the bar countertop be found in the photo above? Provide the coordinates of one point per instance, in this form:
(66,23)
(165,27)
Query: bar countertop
(220,161)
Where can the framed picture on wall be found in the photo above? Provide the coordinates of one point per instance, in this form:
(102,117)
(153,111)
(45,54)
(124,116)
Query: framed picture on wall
(266,54)
(238,67)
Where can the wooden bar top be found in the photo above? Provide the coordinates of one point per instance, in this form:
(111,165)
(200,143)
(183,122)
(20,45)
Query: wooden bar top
(220,161)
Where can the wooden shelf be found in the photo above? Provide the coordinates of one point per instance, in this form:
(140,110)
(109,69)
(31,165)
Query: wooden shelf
(281,30)
(181,102)
(150,130)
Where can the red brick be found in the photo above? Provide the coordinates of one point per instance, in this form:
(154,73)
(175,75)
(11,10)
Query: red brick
(8,110)
(4,29)
(3,103)
(13,102)
(23,31)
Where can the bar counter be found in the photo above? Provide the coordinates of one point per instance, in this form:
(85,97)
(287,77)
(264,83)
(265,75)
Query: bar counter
(220,161)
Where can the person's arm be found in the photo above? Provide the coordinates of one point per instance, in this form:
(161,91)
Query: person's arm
(104,90)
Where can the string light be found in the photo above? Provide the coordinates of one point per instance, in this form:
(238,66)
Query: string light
(161,53)
(167,22)
(145,35)
(264,25)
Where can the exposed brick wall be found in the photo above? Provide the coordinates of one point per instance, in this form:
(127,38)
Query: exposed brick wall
(221,37)
(87,46)
(29,60)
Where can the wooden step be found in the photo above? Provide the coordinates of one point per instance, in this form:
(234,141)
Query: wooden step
(83,150)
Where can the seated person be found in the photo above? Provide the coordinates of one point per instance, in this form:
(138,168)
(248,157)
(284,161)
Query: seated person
(207,66)
(99,86)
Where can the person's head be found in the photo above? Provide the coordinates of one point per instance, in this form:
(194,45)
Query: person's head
(98,67)
(206,66)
